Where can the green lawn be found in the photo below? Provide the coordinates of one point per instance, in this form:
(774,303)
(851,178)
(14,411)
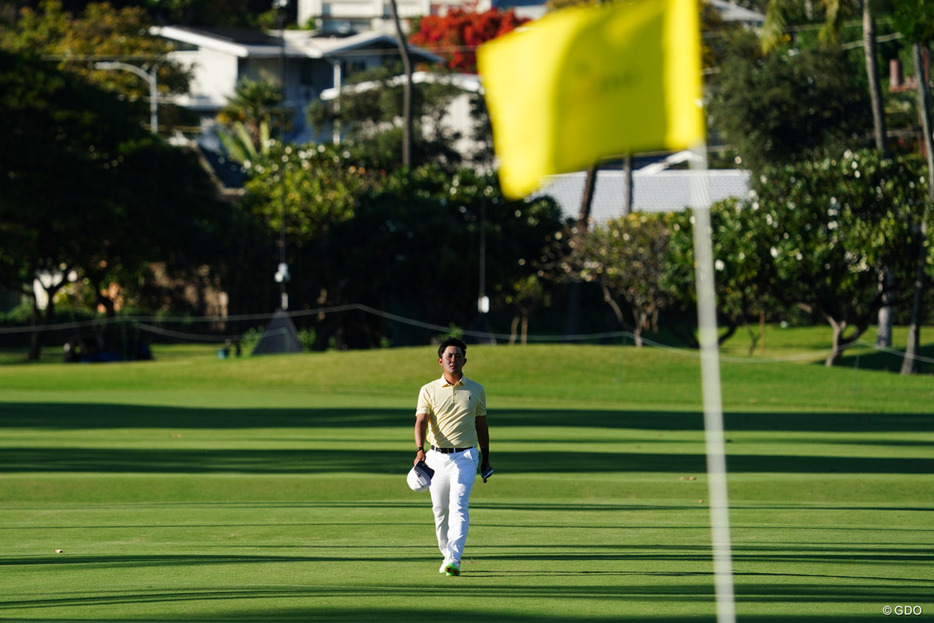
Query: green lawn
(272,489)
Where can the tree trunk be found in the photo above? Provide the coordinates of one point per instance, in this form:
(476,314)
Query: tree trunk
(583,214)
(406,89)
(41,320)
(836,349)
(872,76)
(910,362)
(884,334)
(641,321)
(580,230)
(617,311)
(627,185)
(35,343)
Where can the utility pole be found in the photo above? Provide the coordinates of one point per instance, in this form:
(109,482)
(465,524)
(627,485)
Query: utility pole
(282,273)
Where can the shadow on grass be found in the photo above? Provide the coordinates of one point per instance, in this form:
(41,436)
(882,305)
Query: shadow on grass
(888,361)
(384,458)
(80,416)
(358,615)
(533,579)
(542,560)
(298,603)
(314,461)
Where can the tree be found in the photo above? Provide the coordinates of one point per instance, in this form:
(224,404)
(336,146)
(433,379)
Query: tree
(317,187)
(86,191)
(835,11)
(370,112)
(626,257)
(745,272)
(456,35)
(526,294)
(322,184)
(229,13)
(77,42)
(60,135)
(413,246)
(835,223)
(789,107)
(242,146)
(774,34)
(915,19)
(255,107)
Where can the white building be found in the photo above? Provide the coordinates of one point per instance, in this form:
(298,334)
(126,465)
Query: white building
(350,36)
(220,58)
(654,190)
(348,16)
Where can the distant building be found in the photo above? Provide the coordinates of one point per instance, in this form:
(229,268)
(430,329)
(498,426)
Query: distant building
(220,58)
(458,116)
(349,16)
(350,36)
(653,190)
(344,17)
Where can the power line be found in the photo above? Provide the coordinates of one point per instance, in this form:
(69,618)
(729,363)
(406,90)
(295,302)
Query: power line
(156,326)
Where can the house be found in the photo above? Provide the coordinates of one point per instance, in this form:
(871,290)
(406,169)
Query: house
(349,36)
(310,63)
(346,16)
(349,16)
(304,62)
(458,118)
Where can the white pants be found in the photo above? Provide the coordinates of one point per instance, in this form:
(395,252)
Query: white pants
(450,495)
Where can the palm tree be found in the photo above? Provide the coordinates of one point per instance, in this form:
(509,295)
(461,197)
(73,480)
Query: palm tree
(254,104)
(241,146)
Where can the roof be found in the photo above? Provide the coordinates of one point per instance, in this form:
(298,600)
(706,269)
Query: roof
(729,11)
(665,191)
(465,82)
(732,12)
(244,43)
(317,47)
(235,42)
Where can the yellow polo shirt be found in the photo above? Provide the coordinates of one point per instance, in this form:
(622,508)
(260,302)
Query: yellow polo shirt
(452,411)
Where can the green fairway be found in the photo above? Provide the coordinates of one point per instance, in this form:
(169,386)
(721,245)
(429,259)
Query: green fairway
(273,489)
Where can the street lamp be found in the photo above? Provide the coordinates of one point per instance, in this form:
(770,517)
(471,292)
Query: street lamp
(150,79)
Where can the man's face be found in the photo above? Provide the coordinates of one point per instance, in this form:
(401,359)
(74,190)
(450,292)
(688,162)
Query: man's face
(452,360)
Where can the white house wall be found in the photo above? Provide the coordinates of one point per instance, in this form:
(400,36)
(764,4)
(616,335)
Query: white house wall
(377,9)
(214,77)
(308,9)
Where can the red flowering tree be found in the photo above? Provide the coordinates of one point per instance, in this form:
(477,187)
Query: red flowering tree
(456,35)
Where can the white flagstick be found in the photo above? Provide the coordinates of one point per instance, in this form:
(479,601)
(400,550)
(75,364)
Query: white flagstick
(710,381)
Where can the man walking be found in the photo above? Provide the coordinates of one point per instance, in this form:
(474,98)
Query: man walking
(452,411)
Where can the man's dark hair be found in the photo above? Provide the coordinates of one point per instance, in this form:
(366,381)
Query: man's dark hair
(451,341)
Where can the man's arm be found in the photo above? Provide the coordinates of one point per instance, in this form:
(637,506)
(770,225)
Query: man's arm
(483,437)
(421,426)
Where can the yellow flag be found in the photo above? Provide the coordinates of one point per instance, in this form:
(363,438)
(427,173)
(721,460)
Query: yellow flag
(583,84)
